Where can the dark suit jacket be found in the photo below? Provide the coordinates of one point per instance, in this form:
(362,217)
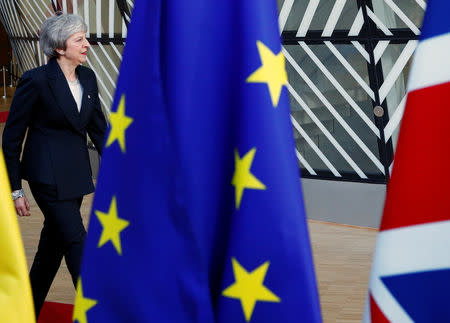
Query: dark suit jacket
(55,150)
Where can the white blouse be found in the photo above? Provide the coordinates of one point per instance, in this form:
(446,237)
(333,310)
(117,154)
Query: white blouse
(77,92)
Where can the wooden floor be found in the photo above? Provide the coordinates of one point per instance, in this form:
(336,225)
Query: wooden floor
(342,256)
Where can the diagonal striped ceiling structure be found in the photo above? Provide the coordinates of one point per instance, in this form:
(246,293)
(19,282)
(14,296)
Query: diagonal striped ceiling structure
(347,63)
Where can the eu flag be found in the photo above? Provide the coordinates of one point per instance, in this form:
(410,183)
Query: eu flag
(198,215)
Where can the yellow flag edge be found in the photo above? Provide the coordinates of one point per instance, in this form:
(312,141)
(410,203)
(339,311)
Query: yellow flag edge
(16,303)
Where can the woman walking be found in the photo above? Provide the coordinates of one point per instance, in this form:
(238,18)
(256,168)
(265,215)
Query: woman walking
(58,104)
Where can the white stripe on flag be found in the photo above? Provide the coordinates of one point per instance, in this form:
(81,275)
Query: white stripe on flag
(431,63)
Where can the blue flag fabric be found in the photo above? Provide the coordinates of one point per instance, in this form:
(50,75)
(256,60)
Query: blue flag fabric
(198,214)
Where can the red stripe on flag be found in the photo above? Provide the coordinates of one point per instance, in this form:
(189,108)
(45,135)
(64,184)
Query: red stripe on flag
(56,313)
(376,315)
(419,190)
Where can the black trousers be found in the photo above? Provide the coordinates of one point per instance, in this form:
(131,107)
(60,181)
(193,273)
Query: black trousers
(63,234)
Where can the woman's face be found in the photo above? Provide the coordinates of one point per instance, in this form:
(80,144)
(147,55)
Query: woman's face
(76,48)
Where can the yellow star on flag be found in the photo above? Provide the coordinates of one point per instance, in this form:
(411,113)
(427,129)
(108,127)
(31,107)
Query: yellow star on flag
(119,123)
(272,72)
(242,177)
(112,226)
(82,305)
(249,287)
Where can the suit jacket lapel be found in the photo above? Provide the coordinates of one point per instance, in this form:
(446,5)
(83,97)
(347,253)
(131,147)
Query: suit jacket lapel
(62,93)
(88,96)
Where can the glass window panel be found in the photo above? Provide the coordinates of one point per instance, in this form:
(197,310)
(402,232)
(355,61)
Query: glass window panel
(398,90)
(321,15)
(348,15)
(335,98)
(295,15)
(387,15)
(396,93)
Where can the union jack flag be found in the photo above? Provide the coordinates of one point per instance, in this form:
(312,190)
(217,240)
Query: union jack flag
(410,278)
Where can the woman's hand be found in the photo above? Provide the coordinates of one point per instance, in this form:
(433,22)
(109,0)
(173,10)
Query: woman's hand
(22,206)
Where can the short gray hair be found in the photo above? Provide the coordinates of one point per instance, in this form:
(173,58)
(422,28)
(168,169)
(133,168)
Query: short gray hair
(57,29)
